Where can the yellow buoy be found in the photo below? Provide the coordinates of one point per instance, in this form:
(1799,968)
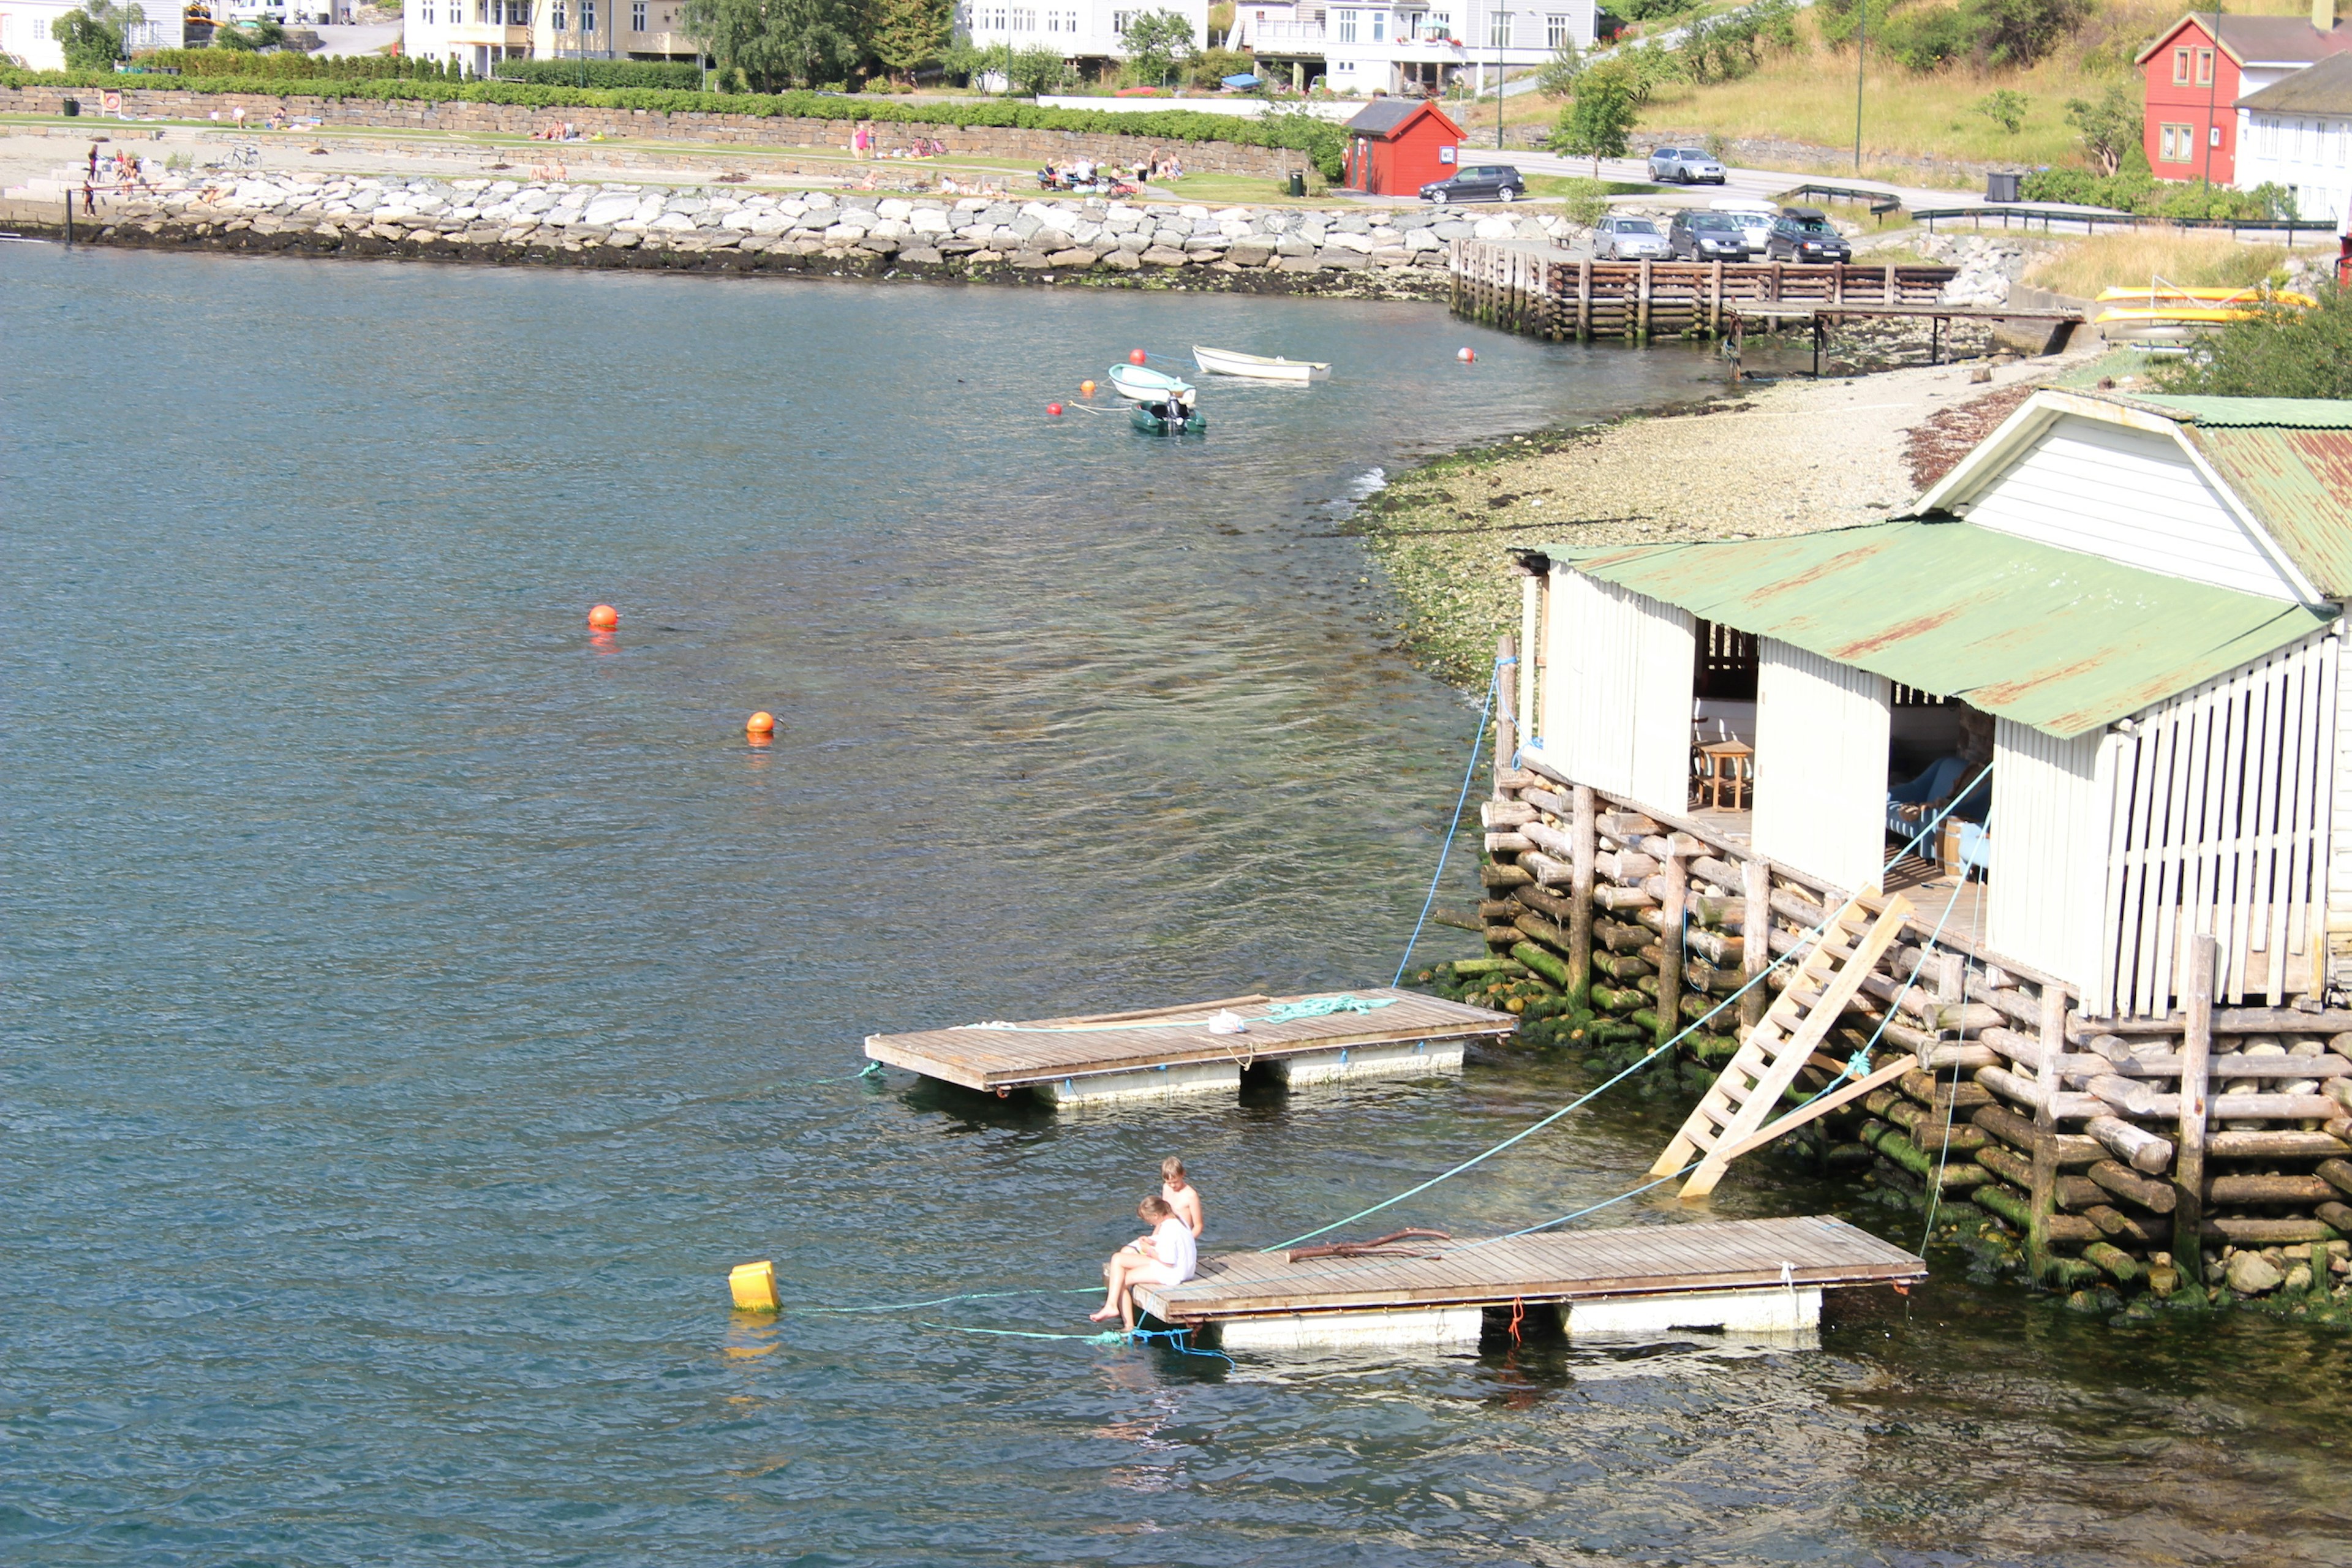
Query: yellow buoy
(754,1285)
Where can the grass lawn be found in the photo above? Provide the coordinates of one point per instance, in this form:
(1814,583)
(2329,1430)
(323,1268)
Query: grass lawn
(2131,259)
(1227,189)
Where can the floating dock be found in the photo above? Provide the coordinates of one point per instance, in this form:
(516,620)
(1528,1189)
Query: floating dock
(1321,1038)
(1745,1277)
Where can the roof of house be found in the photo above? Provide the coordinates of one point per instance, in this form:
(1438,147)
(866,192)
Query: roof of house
(2260,40)
(1384,117)
(2059,640)
(2324,88)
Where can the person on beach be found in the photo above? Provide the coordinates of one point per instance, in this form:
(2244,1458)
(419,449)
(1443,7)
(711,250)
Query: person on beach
(1166,1256)
(89,199)
(1182,1196)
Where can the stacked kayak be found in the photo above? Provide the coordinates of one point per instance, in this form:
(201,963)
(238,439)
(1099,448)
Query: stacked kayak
(2164,312)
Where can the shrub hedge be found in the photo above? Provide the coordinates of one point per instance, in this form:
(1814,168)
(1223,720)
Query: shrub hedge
(2132,191)
(673,74)
(1320,140)
(293,65)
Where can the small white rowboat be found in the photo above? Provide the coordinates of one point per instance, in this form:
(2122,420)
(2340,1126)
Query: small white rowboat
(1224,361)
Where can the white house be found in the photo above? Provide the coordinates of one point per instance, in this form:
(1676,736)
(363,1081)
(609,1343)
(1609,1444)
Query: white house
(478,34)
(1406,45)
(1088,32)
(28,31)
(2297,133)
(2146,597)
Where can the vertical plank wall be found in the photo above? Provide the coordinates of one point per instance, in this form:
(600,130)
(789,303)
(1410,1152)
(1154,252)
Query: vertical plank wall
(1820,765)
(2221,805)
(1617,692)
(2049,848)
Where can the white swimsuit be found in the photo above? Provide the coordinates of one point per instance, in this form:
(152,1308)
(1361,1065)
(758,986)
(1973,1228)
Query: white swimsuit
(1174,1256)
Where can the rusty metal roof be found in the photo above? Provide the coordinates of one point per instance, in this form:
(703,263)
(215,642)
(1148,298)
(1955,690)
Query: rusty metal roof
(2289,461)
(2296,413)
(2063,641)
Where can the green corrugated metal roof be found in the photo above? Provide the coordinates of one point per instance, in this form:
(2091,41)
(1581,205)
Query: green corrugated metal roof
(2293,413)
(2298,482)
(2062,641)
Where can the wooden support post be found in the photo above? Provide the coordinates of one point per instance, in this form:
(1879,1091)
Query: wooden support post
(1642,307)
(69,234)
(1754,939)
(1674,909)
(1507,706)
(1892,290)
(2044,1197)
(1584,302)
(2189,1163)
(1715,300)
(1583,830)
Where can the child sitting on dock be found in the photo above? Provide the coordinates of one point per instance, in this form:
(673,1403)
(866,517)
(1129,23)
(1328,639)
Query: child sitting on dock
(1182,1196)
(1166,1256)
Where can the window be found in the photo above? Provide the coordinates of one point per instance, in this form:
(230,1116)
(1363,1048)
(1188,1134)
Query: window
(1347,27)
(1439,26)
(481,11)
(637,16)
(1380,26)
(1024,21)
(2204,67)
(40,27)
(556,16)
(587,15)
(1498,30)
(2174,143)
(1555,32)
(1119,20)
(2181,67)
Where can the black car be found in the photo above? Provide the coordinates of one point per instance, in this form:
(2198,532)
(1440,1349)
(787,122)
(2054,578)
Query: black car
(1806,233)
(1487,183)
(1707,236)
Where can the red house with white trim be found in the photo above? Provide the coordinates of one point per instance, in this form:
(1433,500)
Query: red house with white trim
(2198,69)
(1399,144)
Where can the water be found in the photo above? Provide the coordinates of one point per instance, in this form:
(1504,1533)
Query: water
(413,1007)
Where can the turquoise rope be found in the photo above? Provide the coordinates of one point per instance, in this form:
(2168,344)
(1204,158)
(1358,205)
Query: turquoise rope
(1175,1337)
(1445,845)
(943,1301)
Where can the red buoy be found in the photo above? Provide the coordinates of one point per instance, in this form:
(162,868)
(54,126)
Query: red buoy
(1137,356)
(1467,356)
(603,617)
(1055,409)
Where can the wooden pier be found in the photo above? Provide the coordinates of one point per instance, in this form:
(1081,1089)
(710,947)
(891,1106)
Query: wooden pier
(1548,293)
(1757,1276)
(1318,1039)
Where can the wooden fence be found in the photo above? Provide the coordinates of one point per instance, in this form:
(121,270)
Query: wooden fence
(1546,294)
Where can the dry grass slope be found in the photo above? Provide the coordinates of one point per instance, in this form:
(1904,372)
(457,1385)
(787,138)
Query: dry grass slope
(2134,259)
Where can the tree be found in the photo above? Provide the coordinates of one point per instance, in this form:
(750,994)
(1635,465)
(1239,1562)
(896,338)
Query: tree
(1037,71)
(2109,127)
(776,43)
(1155,41)
(92,35)
(2282,351)
(1558,78)
(2005,107)
(1596,123)
(2020,32)
(910,33)
(260,33)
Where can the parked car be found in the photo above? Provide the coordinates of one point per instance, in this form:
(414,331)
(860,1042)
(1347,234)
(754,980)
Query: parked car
(1708,236)
(1755,219)
(1806,233)
(1487,183)
(1685,166)
(1629,239)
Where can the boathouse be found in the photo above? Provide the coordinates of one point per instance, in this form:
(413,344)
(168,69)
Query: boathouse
(1396,145)
(2110,640)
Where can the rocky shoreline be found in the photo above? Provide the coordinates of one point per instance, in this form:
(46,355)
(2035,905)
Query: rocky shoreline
(1392,253)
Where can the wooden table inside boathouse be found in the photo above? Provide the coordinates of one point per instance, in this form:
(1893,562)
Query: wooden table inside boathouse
(1753,1275)
(1373,1033)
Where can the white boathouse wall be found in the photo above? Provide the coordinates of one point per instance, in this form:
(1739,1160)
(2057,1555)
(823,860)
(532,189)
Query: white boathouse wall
(1616,693)
(2130,496)
(1820,765)
(2049,844)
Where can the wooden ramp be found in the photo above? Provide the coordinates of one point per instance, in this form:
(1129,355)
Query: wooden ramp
(1323,1038)
(1756,1274)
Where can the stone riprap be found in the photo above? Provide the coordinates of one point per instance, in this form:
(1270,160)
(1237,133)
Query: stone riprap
(1385,250)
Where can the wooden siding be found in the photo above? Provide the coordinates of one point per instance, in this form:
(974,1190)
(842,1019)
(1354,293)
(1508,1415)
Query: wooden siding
(2049,848)
(2221,804)
(1820,767)
(2339,859)
(1617,692)
(2131,497)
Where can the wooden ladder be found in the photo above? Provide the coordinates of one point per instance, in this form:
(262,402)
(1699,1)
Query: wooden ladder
(1730,1119)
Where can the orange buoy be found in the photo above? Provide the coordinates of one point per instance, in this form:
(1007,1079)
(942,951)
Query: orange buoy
(1055,409)
(760,723)
(1467,356)
(1137,356)
(1086,389)
(603,617)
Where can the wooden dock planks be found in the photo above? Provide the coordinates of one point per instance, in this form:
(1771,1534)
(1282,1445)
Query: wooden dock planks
(1635,1260)
(1043,1050)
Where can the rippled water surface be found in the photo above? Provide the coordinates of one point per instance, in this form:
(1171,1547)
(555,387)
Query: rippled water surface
(413,1008)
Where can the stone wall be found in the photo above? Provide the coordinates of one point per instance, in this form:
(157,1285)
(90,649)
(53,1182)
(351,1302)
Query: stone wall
(1400,251)
(1038,147)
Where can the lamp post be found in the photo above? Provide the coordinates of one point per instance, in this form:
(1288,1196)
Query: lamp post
(1861,56)
(1496,21)
(2212,81)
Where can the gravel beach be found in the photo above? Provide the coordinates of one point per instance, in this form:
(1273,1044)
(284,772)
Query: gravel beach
(1791,457)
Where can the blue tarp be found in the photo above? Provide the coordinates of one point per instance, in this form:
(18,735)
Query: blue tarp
(1246,80)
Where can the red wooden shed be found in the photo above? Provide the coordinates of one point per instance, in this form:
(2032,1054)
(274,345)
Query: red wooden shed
(1399,144)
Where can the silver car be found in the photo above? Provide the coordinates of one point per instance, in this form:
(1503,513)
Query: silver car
(1630,239)
(1685,166)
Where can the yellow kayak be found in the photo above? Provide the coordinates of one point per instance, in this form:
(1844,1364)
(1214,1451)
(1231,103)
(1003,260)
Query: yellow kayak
(2171,315)
(2195,297)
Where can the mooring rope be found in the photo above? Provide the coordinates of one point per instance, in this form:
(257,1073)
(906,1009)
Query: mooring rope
(1445,845)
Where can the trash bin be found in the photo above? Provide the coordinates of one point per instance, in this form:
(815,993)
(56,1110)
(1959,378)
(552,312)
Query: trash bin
(1297,183)
(70,108)
(2001,187)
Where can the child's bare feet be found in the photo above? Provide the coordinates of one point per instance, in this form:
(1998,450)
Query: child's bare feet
(1105,1316)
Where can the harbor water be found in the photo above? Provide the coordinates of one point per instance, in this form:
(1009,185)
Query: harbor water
(413,1005)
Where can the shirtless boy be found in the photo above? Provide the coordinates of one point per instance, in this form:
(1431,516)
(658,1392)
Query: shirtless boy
(1166,1256)
(1182,1196)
